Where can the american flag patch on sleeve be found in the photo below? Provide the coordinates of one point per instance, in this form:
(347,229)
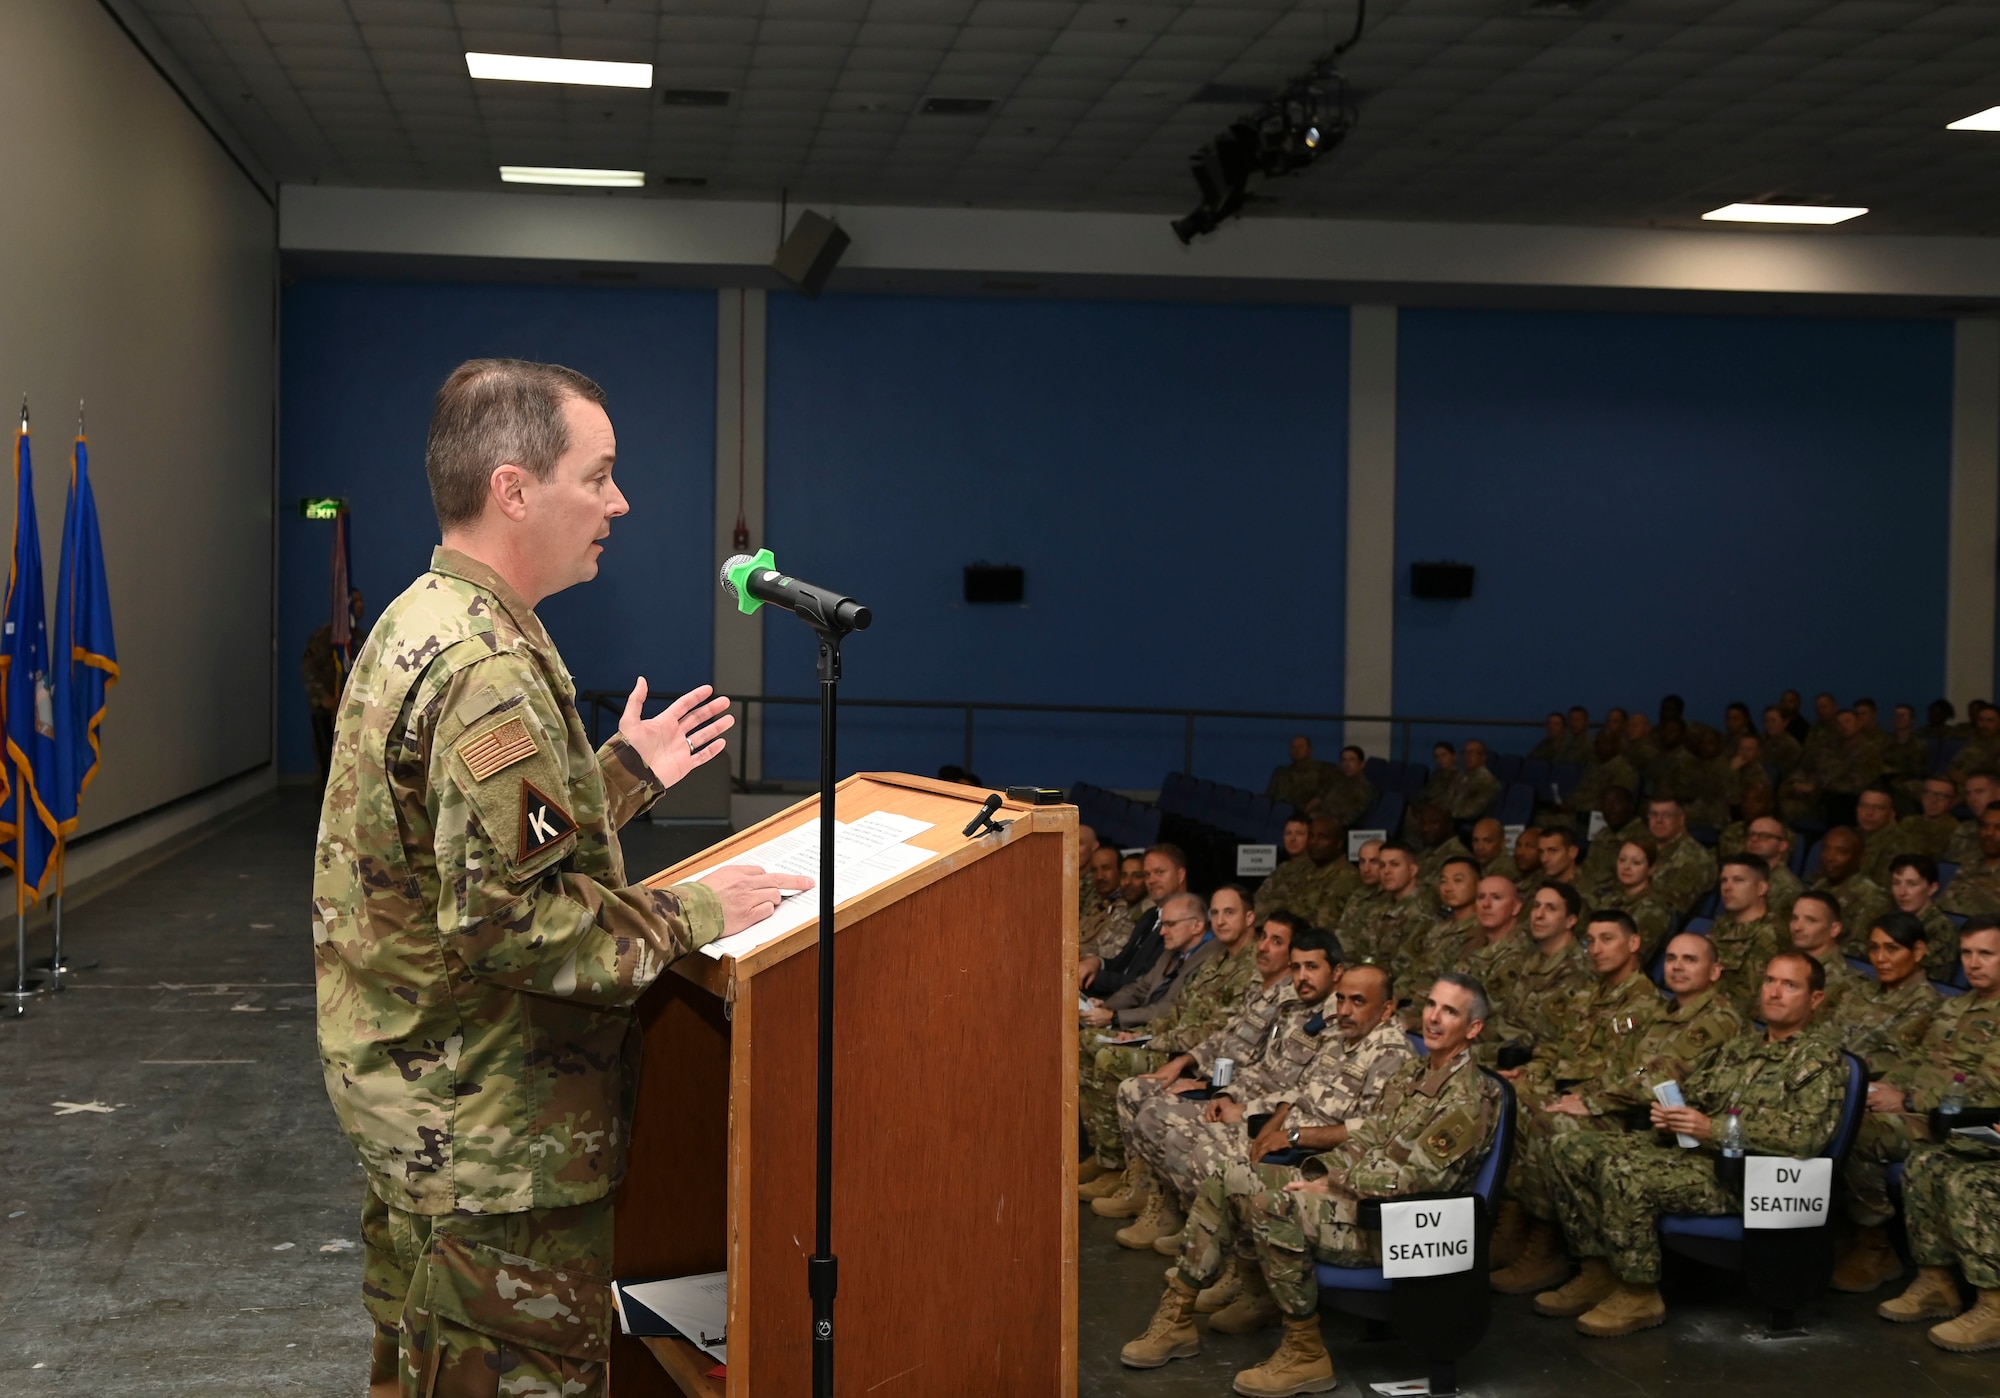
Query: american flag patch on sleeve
(497,749)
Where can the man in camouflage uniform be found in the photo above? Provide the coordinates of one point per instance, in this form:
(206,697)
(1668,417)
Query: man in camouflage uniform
(1929,831)
(1473,788)
(1436,840)
(1102,931)
(1746,936)
(1756,801)
(1348,793)
(1609,767)
(1963,1042)
(1815,929)
(1560,864)
(1951,1196)
(1861,898)
(1488,844)
(1982,749)
(1427,1133)
(1527,1247)
(1298,782)
(1163,871)
(1788,1084)
(1576,746)
(1768,838)
(1326,880)
(1284,886)
(1367,901)
(1621,822)
(1555,737)
(1881,840)
(1976,889)
(1558,969)
(1406,913)
(1448,941)
(1506,946)
(1685,870)
(477,947)
(1982,789)
(1776,743)
(1527,871)
(1088,898)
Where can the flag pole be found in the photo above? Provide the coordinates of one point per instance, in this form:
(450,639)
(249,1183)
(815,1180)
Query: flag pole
(24,988)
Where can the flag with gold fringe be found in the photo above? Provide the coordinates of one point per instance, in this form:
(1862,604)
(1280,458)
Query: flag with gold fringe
(26,823)
(83,654)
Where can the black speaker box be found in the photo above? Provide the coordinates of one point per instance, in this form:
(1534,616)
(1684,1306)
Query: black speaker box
(811,249)
(1448,581)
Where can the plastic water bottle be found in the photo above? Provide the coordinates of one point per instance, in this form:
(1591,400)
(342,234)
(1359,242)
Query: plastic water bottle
(1731,1142)
(1953,1101)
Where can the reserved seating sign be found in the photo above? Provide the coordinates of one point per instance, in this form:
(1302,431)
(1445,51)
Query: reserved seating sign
(1780,1193)
(1427,1237)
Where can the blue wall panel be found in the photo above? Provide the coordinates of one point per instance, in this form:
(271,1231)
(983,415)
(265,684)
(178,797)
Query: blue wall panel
(1164,473)
(1725,507)
(362,361)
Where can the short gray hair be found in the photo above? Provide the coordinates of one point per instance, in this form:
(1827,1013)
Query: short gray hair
(1481,1006)
(491,412)
(1200,903)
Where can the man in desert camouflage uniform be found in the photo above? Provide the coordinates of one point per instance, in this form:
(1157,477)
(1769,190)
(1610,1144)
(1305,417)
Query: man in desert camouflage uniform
(477,947)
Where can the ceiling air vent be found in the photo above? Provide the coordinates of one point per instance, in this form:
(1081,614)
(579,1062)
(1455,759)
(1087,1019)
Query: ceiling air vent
(956,106)
(684,181)
(1232,94)
(694,96)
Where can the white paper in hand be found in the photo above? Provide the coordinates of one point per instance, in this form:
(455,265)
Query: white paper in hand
(1668,1094)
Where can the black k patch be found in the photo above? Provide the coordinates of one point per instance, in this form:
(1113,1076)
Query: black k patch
(543,822)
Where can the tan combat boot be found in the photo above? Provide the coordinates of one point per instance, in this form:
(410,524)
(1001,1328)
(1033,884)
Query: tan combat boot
(1584,1290)
(1251,1311)
(1129,1200)
(1542,1264)
(1630,1308)
(1869,1260)
(1510,1235)
(1169,1244)
(1932,1296)
(1223,1290)
(1171,1335)
(1976,1330)
(1159,1217)
(1088,1169)
(1301,1365)
(1107,1184)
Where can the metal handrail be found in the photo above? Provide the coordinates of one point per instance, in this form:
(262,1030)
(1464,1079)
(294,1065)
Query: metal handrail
(600,699)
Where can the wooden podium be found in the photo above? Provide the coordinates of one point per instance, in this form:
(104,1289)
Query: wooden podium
(954,1189)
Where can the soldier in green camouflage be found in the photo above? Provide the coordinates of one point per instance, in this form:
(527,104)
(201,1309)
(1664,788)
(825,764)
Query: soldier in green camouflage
(1771,841)
(1299,781)
(1787,1085)
(1561,862)
(1976,889)
(1684,870)
(1406,912)
(1875,822)
(1631,892)
(1088,897)
(1323,887)
(1756,800)
(1446,942)
(1527,871)
(1960,1053)
(1861,898)
(1348,793)
(1488,843)
(1436,841)
(477,947)
(1609,768)
(1505,946)
(1745,934)
(1982,750)
(1913,888)
(1555,737)
(1556,970)
(1277,888)
(1816,930)
(1367,900)
(1931,829)
(1473,788)
(1427,1133)
(1621,822)
(1951,1196)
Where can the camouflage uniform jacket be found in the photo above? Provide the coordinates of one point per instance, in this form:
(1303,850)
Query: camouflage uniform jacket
(320,669)
(1782,752)
(1975,890)
(1417,962)
(1687,1031)
(1296,783)
(1922,835)
(1684,871)
(1978,755)
(1324,890)
(1248,1031)
(1346,1080)
(1428,1132)
(477,947)
(1735,838)
(1499,963)
(1877,849)
(1300,1035)
(1285,887)
(1211,996)
(1431,862)
(1383,936)
(1356,921)
(1744,949)
(1654,919)
(1104,933)
(1470,794)
(1783,893)
(1962,848)
(1884,1028)
(1789,1093)
(1346,798)
(1595,1022)
(1842,980)
(1501,866)
(1861,902)
(1600,862)
(1940,943)
(1964,1038)
(1532,1014)
(1904,758)
(1088,899)
(1599,777)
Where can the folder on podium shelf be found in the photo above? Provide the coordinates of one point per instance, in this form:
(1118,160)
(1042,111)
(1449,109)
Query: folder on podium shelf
(954,1172)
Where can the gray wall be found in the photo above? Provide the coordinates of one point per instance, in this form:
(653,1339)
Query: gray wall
(136,272)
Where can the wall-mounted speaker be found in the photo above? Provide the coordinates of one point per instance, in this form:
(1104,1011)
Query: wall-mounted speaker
(987,582)
(809,252)
(1450,582)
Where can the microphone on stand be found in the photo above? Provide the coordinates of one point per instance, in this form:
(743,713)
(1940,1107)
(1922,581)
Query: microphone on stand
(755,580)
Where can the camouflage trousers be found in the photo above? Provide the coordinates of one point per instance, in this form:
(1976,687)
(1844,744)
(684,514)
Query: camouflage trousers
(1100,1068)
(1246,1210)
(1952,1204)
(481,1305)
(1610,1191)
(1531,1179)
(1884,1139)
(1167,1132)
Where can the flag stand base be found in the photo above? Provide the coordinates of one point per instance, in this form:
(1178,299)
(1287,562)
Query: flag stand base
(22,993)
(71,961)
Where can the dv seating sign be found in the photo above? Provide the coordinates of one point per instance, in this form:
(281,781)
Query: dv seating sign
(1427,1237)
(1780,1193)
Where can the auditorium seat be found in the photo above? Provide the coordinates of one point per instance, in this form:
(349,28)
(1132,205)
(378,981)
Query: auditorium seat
(1947,871)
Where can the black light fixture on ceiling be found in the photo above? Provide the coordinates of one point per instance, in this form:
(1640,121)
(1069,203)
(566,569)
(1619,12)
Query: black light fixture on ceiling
(1302,121)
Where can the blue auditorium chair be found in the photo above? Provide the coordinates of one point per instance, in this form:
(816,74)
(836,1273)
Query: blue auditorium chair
(1787,1268)
(1506,766)
(1517,805)
(1947,871)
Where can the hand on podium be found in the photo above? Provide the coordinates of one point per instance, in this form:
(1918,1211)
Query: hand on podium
(749,894)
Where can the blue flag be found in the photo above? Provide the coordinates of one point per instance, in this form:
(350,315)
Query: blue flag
(25,821)
(84,654)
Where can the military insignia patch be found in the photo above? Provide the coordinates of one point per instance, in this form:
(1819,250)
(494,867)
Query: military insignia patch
(498,749)
(1440,1143)
(543,822)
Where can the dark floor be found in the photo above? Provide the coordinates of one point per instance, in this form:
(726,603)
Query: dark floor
(198,1237)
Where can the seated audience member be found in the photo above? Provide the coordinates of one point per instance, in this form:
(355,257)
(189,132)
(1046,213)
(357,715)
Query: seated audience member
(1913,888)
(1293,869)
(1905,759)
(1744,769)
(1618,1009)
(1559,855)
(1622,820)
(1488,843)
(1745,934)
(1102,931)
(1672,764)
(1241,1039)
(1299,781)
(1786,1086)
(1982,750)
(1527,874)
(1557,969)
(1427,1133)
(1684,869)
(1757,801)
(1505,945)
(1847,766)
(1875,822)
(1777,743)
(1555,735)
(1861,898)
(1976,889)
(1368,898)
(1165,871)
(1816,930)
(1577,744)
(1795,722)
(1736,721)
(1884,1021)
(1444,767)
(1930,830)
(1113,932)
(1473,789)
(1770,840)
(1436,840)
(1348,793)
(1607,768)
(1630,891)
(1453,937)
(1982,789)
(1940,721)
(1405,912)
(1088,899)
(1157,1153)
(1960,1054)
(1951,1197)
(1710,787)
(1319,885)
(1615,721)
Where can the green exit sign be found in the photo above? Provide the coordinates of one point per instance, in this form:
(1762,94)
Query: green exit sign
(321,507)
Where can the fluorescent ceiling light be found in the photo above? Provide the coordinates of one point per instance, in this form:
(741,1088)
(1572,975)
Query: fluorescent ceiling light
(1988,120)
(517,68)
(1782,213)
(563,174)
